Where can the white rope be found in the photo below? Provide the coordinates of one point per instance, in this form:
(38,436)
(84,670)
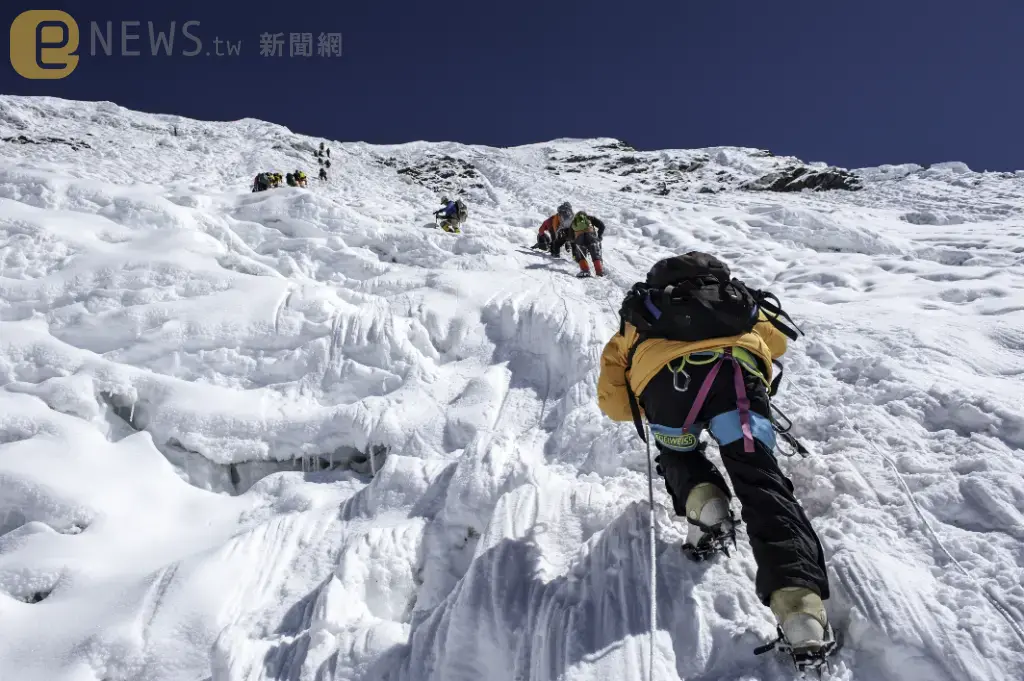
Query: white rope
(653,527)
(990,597)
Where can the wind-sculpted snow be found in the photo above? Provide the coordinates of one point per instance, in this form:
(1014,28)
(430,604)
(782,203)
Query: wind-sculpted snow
(303,435)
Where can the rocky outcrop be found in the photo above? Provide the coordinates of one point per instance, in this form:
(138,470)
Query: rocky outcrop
(443,174)
(795,179)
(22,139)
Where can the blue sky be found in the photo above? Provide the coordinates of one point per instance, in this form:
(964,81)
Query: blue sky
(852,84)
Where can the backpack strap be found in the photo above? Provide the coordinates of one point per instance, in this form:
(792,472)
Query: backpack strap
(634,406)
(773,310)
(777,381)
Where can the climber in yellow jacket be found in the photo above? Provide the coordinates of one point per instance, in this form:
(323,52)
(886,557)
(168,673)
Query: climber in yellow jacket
(718,379)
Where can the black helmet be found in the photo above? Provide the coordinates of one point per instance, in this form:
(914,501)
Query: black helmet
(445,199)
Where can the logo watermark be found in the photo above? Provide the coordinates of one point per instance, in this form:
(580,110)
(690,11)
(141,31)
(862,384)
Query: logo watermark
(300,45)
(45,43)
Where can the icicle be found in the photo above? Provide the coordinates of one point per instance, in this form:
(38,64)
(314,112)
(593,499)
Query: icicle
(131,415)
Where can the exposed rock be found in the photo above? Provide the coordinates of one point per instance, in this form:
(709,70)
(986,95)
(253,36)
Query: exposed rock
(617,145)
(76,145)
(35,597)
(795,179)
(444,174)
(581,159)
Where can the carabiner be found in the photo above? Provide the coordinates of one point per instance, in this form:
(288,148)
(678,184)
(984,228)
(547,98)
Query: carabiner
(675,379)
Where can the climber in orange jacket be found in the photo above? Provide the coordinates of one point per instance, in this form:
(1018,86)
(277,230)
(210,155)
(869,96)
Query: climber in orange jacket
(554,232)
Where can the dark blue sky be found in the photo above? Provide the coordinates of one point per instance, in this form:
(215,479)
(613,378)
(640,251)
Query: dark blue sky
(853,83)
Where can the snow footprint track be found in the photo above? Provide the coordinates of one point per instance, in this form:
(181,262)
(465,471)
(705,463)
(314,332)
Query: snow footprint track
(914,620)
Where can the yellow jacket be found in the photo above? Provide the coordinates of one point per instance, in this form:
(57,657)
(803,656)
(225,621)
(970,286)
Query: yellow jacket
(764,341)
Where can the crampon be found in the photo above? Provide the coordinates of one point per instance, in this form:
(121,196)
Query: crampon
(805,659)
(715,540)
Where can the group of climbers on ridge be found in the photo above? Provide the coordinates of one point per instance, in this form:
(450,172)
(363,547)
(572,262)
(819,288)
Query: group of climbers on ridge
(265,181)
(323,157)
(273,180)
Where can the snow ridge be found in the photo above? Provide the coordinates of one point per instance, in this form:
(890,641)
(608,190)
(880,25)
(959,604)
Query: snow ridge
(303,435)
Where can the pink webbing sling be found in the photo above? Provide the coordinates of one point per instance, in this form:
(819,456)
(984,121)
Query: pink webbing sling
(742,401)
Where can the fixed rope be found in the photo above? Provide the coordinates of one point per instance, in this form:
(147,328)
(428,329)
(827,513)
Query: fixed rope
(653,532)
(989,596)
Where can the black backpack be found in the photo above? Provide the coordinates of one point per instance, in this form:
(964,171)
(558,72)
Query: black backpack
(694,297)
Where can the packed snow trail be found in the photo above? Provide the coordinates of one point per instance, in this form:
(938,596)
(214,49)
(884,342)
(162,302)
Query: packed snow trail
(198,383)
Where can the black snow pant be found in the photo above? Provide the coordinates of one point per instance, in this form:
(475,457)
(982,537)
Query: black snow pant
(587,243)
(786,549)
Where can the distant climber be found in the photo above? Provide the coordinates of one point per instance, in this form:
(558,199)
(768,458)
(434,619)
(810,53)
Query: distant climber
(300,178)
(719,379)
(549,236)
(290,180)
(323,174)
(556,232)
(322,152)
(586,240)
(265,181)
(452,215)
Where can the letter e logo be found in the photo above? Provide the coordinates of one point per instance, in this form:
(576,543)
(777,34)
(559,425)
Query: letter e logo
(43,43)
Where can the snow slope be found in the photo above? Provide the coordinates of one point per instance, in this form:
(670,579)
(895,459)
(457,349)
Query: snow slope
(300,435)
